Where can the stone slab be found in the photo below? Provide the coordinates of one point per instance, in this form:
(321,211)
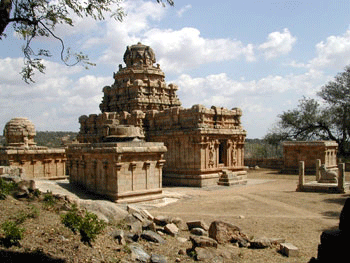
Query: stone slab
(289,250)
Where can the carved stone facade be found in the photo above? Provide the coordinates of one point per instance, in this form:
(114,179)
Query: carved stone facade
(38,162)
(201,143)
(309,152)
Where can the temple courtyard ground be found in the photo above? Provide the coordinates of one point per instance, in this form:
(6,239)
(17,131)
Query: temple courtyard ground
(268,206)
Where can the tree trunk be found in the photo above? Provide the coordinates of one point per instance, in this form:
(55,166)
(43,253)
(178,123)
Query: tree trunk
(5,11)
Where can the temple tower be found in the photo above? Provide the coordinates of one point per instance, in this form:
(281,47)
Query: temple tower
(140,85)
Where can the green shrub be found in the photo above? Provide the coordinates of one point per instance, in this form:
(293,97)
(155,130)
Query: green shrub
(90,227)
(49,200)
(72,219)
(88,224)
(6,188)
(13,233)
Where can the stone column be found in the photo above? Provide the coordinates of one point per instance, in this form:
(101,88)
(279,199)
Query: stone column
(301,176)
(341,177)
(318,165)
(132,169)
(147,168)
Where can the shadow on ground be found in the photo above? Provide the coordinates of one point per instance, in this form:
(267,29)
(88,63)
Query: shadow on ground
(36,256)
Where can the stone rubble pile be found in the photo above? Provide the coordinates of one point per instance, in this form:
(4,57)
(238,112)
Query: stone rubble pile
(209,243)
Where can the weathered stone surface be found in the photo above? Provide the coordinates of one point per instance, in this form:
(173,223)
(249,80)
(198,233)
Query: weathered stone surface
(119,236)
(197,224)
(198,231)
(152,236)
(146,214)
(289,250)
(149,225)
(203,241)
(171,229)
(158,259)
(261,242)
(138,254)
(224,232)
(162,220)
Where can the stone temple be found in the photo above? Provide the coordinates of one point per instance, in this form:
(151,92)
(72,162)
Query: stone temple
(204,146)
(20,150)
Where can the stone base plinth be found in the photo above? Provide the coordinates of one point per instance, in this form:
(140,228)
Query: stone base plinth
(315,186)
(228,178)
(201,180)
(124,172)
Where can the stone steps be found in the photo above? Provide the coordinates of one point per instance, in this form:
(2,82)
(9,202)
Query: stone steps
(228,178)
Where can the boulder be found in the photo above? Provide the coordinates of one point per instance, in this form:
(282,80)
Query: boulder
(152,236)
(197,224)
(161,220)
(158,259)
(198,231)
(119,235)
(224,232)
(138,254)
(261,242)
(171,229)
(203,241)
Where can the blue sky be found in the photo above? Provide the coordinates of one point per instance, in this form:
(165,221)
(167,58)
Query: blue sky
(261,56)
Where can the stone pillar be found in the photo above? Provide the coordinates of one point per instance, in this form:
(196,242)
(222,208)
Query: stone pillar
(318,165)
(147,166)
(341,177)
(301,176)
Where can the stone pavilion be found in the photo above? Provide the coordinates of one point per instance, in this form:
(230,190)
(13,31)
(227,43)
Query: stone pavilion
(205,146)
(20,150)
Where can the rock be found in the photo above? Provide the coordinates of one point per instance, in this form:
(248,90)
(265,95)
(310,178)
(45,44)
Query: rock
(171,229)
(131,237)
(203,241)
(119,235)
(261,242)
(277,241)
(181,252)
(224,232)
(135,227)
(240,241)
(138,254)
(203,254)
(152,236)
(138,216)
(158,259)
(179,223)
(146,214)
(197,224)
(199,231)
(161,220)
(289,250)
(149,225)
(182,239)
(132,209)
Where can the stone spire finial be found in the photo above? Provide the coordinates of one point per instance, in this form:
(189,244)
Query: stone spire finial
(19,132)
(139,55)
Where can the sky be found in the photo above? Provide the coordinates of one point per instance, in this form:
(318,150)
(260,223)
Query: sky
(261,56)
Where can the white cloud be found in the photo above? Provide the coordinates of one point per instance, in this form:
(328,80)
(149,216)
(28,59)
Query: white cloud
(333,53)
(183,10)
(180,50)
(278,43)
(55,101)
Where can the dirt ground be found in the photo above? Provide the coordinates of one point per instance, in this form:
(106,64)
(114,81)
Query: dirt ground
(267,206)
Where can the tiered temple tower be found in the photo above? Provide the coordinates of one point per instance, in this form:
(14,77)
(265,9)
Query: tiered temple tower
(140,85)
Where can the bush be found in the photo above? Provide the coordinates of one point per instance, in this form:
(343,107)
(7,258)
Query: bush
(6,188)
(13,233)
(90,227)
(49,200)
(88,224)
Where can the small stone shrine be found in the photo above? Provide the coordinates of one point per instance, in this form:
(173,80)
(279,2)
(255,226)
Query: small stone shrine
(204,146)
(20,150)
(309,152)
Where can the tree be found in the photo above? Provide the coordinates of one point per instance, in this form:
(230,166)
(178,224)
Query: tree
(328,120)
(35,18)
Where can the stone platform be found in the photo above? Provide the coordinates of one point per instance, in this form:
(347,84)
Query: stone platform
(228,178)
(315,186)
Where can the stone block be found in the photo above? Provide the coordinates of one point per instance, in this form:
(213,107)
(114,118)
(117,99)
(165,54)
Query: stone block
(289,250)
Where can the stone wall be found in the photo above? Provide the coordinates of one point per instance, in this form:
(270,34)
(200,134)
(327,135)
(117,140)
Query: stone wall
(309,152)
(126,171)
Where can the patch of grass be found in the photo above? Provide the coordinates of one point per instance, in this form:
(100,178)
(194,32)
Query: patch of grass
(49,200)
(13,233)
(24,215)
